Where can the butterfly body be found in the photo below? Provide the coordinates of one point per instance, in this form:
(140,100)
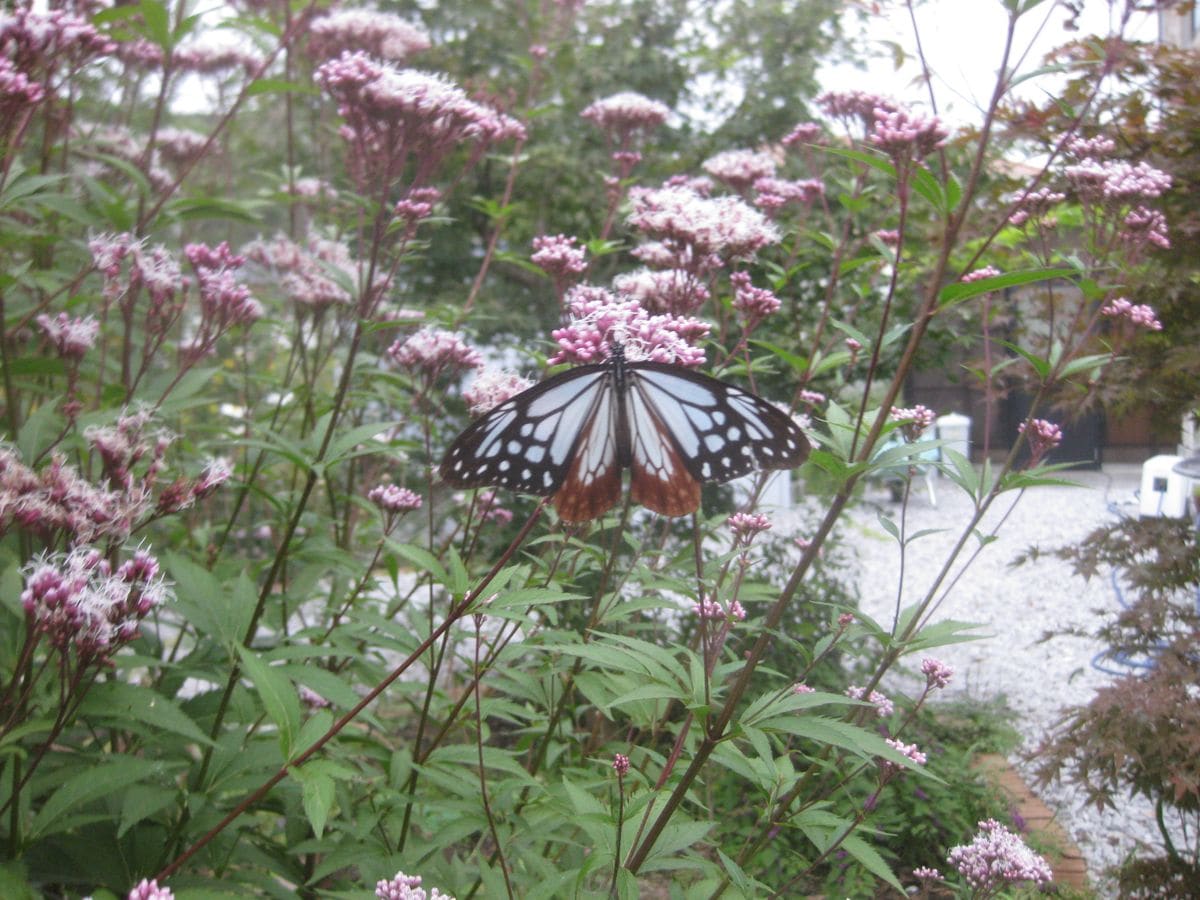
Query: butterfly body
(572,436)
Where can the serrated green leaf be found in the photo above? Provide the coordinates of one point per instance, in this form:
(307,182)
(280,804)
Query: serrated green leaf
(115,701)
(111,776)
(870,859)
(317,794)
(278,696)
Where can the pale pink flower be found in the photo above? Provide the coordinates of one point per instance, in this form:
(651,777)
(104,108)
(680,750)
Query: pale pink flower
(404,119)
(754,304)
(812,398)
(40,43)
(407,887)
(311,699)
(889,237)
(211,58)
(1140,314)
(914,421)
(851,106)
(801,688)
(620,764)
(883,706)
(804,133)
(215,474)
(998,858)
(909,750)
(490,509)
(383,35)
(72,338)
(1145,226)
(980,274)
(1089,148)
(492,387)
(771,194)
(149,890)
(740,169)
(418,204)
(180,145)
(673,291)
(1117,180)
(434,351)
(905,135)
(16,89)
(1042,437)
(558,256)
(598,320)
(937,673)
(624,115)
(720,228)
(924,873)
(746,525)
(393,499)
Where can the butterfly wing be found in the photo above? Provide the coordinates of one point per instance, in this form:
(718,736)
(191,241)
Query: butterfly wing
(719,431)
(528,442)
(659,476)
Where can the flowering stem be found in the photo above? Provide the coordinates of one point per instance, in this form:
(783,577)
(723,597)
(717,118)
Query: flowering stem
(483,792)
(457,612)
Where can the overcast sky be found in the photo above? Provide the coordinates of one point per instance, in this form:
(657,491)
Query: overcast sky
(963,41)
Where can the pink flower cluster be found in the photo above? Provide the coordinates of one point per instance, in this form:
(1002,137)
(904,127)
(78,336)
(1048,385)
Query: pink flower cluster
(801,688)
(180,145)
(407,887)
(125,444)
(997,858)
(434,351)
(1036,204)
(803,133)
(309,275)
(855,105)
(1139,314)
(711,609)
(59,502)
(937,673)
(492,387)
(1042,437)
(746,525)
(383,35)
(393,499)
(1143,225)
(212,58)
(672,291)
(149,890)
(1117,181)
(72,338)
(883,705)
(740,169)
(620,764)
(1097,147)
(772,194)
(754,304)
(558,256)
(703,232)
(75,599)
(397,117)
(16,89)
(153,269)
(913,421)
(625,115)
(907,135)
(224,301)
(980,274)
(38,43)
(599,319)
(910,750)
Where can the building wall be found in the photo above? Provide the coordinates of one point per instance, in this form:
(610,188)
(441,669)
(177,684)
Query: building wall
(1180,29)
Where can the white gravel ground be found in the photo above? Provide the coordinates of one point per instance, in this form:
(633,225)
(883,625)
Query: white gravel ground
(1016,606)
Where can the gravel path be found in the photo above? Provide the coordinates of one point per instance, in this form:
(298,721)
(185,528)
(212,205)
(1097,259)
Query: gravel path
(1016,606)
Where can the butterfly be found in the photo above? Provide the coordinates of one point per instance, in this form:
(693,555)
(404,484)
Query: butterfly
(571,436)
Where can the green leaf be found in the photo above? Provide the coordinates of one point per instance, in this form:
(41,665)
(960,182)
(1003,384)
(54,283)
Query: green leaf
(278,697)
(965,290)
(424,560)
(141,801)
(870,859)
(279,86)
(317,794)
(115,702)
(112,776)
